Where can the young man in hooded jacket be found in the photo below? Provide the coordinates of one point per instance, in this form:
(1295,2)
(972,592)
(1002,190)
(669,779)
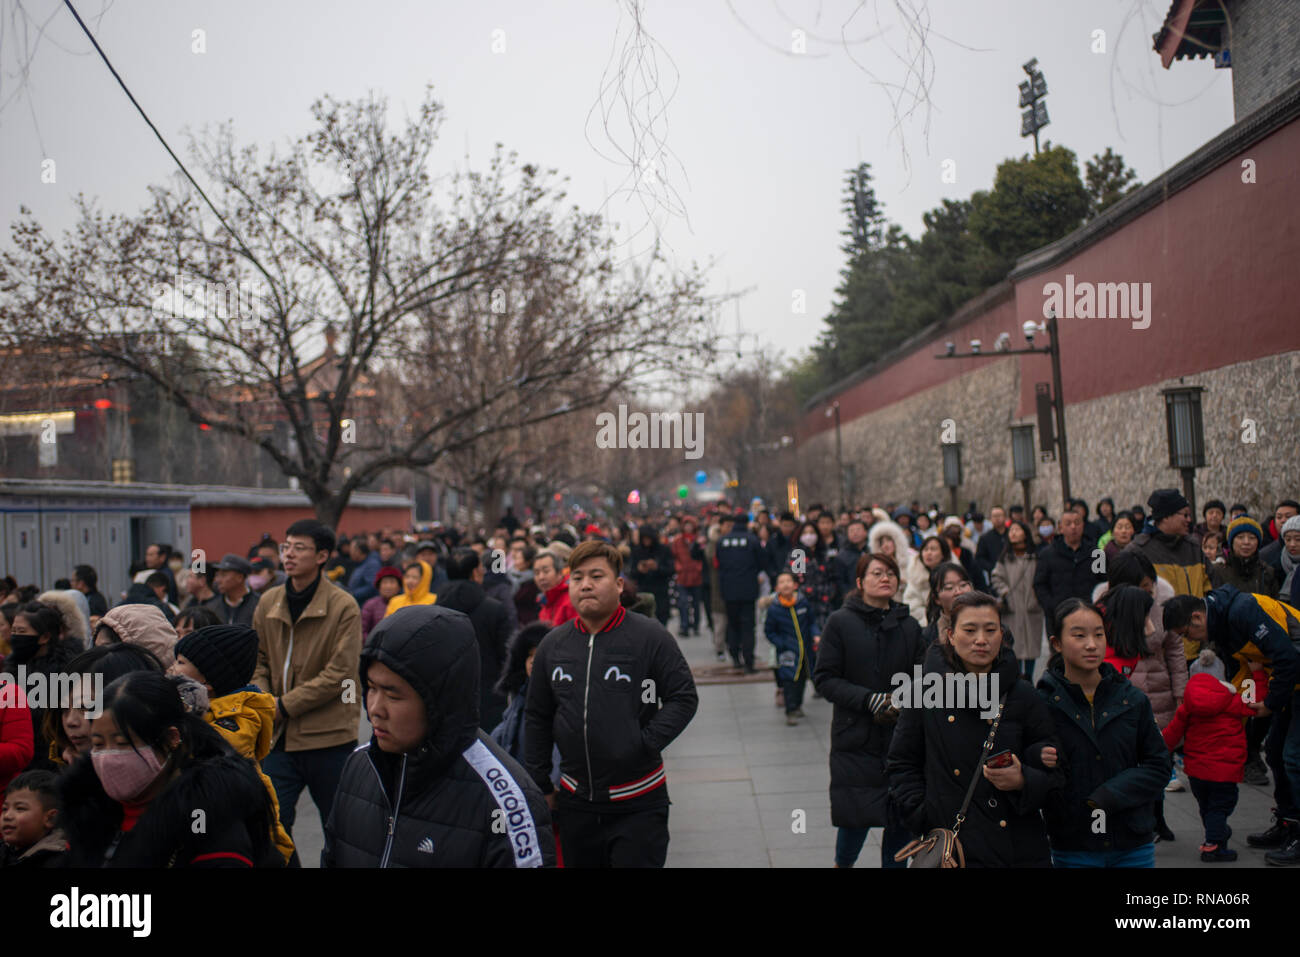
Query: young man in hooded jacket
(430,789)
(611,689)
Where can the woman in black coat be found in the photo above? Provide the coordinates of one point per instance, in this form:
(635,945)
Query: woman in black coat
(865,644)
(136,799)
(1111,750)
(652,569)
(936,749)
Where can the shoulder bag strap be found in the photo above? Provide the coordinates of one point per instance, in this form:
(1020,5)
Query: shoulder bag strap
(984,754)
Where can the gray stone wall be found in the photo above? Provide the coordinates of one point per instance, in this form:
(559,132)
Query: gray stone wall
(1117,443)
(1265,51)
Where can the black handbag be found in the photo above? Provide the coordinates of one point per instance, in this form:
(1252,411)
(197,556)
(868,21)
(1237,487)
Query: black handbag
(941,847)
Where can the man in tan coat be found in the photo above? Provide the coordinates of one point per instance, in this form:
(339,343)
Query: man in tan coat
(308,650)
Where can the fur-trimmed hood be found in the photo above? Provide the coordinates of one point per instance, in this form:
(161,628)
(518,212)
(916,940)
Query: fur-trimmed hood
(902,545)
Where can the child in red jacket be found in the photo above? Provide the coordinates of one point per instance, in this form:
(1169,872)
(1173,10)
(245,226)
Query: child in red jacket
(1212,718)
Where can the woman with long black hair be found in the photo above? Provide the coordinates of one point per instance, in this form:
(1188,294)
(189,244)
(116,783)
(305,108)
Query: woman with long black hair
(153,766)
(38,642)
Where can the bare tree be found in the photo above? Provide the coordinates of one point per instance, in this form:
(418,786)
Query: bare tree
(349,313)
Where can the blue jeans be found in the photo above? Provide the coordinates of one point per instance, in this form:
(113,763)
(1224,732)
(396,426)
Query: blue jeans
(317,770)
(849,841)
(1282,752)
(1144,856)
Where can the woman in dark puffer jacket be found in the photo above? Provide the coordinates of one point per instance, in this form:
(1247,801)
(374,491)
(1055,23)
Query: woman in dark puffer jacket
(153,768)
(1111,750)
(937,749)
(868,641)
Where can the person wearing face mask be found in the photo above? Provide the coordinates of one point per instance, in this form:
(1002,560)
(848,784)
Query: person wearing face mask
(39,648)
(1045,531)
(937,750)
(152,766)
(813,569)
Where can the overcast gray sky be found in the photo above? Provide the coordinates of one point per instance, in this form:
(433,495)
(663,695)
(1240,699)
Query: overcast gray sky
(759,135)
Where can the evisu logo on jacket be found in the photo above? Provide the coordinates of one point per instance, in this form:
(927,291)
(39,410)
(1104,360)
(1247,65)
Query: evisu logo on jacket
(559,674)
(613,672)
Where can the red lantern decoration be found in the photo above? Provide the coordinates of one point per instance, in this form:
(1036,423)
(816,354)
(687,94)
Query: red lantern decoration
(103,404)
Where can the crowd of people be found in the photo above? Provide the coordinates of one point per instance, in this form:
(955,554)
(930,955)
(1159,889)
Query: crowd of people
(521,685)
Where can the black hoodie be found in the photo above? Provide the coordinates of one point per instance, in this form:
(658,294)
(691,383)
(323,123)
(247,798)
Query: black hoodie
(492,629)
(459,800)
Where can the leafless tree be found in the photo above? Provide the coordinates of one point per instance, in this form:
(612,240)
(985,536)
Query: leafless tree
(352,313)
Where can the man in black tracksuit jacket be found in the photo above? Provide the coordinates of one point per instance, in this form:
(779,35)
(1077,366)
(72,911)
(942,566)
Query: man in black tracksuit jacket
(450,797)
(610,689)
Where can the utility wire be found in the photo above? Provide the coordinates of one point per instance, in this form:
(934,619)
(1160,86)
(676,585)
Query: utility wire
(145,116)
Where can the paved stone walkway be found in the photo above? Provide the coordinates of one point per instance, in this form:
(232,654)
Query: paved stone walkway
(738,776)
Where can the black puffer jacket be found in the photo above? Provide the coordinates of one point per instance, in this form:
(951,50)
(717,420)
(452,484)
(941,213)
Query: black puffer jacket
(649,547)
(492,630)
(1114,759)
(935,752)
(224,786)
(1062,573)
(611,702)
(436,806)
(862,649)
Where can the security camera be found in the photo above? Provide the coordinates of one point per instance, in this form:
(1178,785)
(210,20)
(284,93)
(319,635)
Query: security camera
(950,348)
(1003,342)
(1030,328)
(975,346)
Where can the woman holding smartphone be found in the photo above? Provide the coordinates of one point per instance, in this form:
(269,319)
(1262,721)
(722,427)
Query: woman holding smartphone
(1111,750)
(936,749)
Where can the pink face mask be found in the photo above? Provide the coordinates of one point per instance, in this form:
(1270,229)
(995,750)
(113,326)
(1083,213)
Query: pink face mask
(126,774)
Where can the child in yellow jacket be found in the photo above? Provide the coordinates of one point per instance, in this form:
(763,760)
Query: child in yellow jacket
(222,659)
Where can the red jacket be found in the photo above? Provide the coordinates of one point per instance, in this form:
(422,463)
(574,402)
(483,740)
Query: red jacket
(1211,718)
(16,738)
(557,607)
(690,571)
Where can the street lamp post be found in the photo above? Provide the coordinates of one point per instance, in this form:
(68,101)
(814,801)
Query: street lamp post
(1186,435)
(952,472)
(1022,458)
(839,450)
(1057,401)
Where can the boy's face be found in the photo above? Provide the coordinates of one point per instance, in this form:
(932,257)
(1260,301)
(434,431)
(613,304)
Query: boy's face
(186,668)
(24,819)
(397,712)
(785,586)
